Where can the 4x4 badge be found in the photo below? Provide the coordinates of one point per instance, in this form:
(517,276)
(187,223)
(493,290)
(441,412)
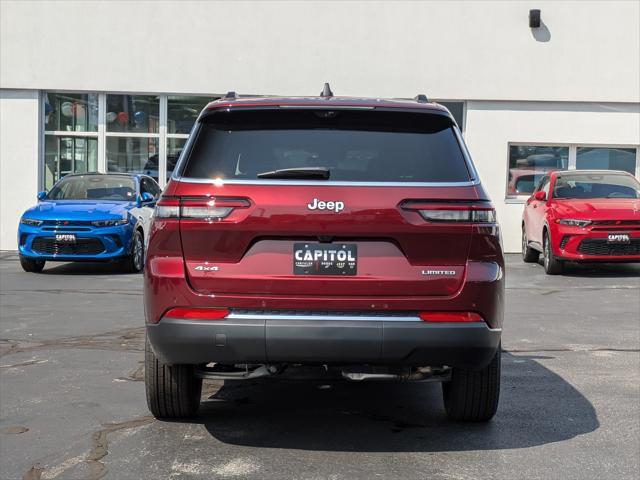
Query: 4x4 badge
(207,268)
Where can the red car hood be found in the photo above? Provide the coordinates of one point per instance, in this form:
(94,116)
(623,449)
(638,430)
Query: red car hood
(599,209)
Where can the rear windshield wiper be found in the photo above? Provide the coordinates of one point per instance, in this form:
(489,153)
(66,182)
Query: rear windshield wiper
(321,173)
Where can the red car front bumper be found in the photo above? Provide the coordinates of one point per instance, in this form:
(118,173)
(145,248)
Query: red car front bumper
(592,244)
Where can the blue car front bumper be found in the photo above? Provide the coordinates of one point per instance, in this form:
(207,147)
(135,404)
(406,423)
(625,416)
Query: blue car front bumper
(91,243)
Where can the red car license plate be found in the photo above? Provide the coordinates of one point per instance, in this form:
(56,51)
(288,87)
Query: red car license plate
(618,238)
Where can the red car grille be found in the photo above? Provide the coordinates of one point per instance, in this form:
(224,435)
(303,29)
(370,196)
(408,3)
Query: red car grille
(83,246)
(615,225)
(599,246)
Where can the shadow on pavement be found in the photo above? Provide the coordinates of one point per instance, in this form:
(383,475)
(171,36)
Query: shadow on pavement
(537,407)
(610,270)
(85,268)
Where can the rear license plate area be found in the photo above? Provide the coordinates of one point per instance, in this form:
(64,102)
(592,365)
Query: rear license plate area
(65,238)
(325,259)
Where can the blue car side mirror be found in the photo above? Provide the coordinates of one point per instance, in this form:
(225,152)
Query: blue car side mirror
(145,198)
(42,195)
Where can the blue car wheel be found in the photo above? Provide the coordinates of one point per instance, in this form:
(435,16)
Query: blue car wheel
(134,262)
(31,264)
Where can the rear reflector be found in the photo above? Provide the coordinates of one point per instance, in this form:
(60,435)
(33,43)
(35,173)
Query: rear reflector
(450,317)
(198,313)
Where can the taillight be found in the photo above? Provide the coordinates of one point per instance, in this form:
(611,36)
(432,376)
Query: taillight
(167,208)
(453,317)
(208,208)
(481,212)
(197,313)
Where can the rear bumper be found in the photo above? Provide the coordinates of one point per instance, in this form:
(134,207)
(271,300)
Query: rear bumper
(394,341)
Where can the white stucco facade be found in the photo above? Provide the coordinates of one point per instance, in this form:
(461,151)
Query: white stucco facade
(574,81)
(19,159)
(492,126)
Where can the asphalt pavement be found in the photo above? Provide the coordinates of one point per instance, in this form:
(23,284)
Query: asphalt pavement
(72,402)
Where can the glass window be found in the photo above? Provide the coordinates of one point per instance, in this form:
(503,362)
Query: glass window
(132,154)
(174,148)
(149,186)
(457,110)
(352,146)
(133,113)
(71,112)
(95,187)
(183,111)
(596,185)
(64,155)
(590,158)
(543,185)
(529,163)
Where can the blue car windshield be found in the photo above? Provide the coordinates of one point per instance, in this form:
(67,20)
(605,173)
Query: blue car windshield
(94,187)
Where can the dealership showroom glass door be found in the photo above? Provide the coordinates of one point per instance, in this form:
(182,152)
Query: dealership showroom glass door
(114,132)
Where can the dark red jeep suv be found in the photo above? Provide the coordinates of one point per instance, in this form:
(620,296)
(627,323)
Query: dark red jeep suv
(345,233)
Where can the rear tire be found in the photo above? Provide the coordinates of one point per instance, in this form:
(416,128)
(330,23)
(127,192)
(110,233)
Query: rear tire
(173,391)
(529,255)
(134,262)
(472,395)
(552,266)
(31,264)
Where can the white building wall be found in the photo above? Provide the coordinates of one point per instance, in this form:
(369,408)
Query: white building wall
(19,159)
(576,80)
(482,50)
(491,126)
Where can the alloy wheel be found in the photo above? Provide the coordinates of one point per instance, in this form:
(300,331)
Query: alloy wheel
(137,253)
(547,253)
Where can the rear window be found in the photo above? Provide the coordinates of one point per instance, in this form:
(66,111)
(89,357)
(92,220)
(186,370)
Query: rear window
(355,146)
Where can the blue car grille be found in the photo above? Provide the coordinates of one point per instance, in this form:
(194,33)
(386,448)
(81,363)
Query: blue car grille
(82,246)
(66,229)
(67,223)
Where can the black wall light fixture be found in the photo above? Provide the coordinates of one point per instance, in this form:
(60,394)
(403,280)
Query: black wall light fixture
(534,18)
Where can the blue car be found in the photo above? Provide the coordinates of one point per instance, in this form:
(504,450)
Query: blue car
(89,217)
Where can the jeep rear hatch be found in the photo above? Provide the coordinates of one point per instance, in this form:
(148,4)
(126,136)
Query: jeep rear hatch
(367,203)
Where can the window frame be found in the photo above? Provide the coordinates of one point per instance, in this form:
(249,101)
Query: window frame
(102,134)
(571,161)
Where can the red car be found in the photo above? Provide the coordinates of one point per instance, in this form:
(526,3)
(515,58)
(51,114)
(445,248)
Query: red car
(582,216)
(349,234)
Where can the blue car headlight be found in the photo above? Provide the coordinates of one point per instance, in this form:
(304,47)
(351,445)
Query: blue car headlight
(110,223)
(31,222)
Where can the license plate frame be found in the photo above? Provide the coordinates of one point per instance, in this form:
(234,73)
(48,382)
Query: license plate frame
(618,239)
(320,259)
(66,238)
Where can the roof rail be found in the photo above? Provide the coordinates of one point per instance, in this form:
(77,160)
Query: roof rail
(326,91)
(231,95)
(421,98)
